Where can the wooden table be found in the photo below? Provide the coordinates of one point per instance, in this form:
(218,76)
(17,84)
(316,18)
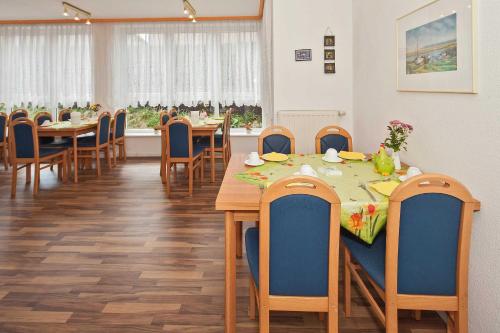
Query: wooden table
(241,203)
(204,130)
(72,131)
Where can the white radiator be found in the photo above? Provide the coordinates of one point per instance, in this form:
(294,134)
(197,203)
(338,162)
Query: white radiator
(304,125)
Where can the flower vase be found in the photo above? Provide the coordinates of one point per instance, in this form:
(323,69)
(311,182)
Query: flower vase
(397,160)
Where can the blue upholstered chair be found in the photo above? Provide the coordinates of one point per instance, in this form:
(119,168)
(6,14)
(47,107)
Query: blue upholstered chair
(3,139)
(94,144)
(222,142)
(64,115)
(118,135)
(293,255)
(164,118)
(39,119)
(26,151)
(333,137)
(19,113)
(276,139)
(179,148)
(421,262)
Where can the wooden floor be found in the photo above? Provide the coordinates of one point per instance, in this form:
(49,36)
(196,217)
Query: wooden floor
(114,254)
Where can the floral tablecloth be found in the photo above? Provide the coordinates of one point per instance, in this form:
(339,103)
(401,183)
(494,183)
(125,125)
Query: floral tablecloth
(361,215)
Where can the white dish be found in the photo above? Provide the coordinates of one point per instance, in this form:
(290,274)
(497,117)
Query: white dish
(254,163)
(338,160)
(313,174)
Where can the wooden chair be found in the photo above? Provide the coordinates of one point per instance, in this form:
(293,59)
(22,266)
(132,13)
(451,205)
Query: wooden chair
(95,143)
(222,142)
(26,151)
(64,115)
(276,139)
(333,137)
(295,267)
(179,148)
(118,135)
(18,113)
(164,117)
(3,139)
(422,262)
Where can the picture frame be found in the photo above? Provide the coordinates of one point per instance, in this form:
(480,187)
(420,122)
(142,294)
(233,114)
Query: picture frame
(329,68)
(329,41)
(437,48)
(303,55)
(329,54)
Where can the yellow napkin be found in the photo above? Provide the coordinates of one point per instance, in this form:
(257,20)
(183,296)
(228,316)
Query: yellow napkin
(351,155)
(275,157)
(385,188)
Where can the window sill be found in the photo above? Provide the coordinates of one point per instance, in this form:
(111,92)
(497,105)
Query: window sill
(235,132)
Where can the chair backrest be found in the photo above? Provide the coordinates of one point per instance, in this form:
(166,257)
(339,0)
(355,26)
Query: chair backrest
(64,115)
(19,113)
(276,139)
(164,118)
(428,235)
(3,126)
(41,117)
(24,142)
(103,125)
(179,140)
(120,123)
(333,137)
(226,128)
(299,238)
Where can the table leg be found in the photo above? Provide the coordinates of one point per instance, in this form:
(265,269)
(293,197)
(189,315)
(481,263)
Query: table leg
(75,158)
(212,155)
(230,288)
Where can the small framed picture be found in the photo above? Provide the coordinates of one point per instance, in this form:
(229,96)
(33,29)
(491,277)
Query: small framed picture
(329,41)
(330,68)
(303,55)
(329,54)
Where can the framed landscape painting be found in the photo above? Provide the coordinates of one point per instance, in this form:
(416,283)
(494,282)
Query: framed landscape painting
(437,48)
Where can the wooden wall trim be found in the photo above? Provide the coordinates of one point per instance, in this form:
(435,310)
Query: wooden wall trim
(143,19)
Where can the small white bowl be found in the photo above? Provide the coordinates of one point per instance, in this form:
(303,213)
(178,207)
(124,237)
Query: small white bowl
(338,160)
(254,163)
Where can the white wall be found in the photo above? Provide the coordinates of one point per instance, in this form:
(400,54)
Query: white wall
(454,134)
(300,24)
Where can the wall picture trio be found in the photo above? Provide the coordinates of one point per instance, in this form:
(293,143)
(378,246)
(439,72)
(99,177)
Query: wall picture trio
(328,55)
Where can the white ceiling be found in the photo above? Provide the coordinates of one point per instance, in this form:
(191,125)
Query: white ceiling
(52,9)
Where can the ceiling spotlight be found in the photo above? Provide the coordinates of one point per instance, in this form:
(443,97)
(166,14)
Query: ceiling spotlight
(78,13)
(191,16)
(189,10)
(88,22)
(194,20)
(65,13)
(77,17)
(186,11)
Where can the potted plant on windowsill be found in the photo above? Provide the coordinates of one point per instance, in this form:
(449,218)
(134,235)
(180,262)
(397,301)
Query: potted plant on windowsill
(398,134)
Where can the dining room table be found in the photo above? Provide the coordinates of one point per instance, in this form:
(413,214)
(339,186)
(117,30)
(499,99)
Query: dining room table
(202,128)
(363,209)
(67,129)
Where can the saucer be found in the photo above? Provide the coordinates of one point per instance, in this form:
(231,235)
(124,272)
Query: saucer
(338,160)
(249,163)
(314,174)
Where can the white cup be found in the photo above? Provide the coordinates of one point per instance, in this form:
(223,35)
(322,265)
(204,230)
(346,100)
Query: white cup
(253,157)
(332,154)
(76,118)
(306,170)
(412,172)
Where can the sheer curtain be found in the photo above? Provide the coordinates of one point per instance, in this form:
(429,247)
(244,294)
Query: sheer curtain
(46,64)
(173,63)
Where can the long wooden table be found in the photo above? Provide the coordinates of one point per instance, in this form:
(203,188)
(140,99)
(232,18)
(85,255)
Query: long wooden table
(241,203)
(204,130)
(72,131)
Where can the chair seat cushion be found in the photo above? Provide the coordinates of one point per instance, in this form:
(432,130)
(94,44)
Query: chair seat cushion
(217,142)
(87,141)
(252,247)
(49,151)
(370,257)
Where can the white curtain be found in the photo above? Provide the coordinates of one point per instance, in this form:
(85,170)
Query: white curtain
(45,64)
(174,63)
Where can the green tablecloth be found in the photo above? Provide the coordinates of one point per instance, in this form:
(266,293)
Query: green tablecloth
(361,215)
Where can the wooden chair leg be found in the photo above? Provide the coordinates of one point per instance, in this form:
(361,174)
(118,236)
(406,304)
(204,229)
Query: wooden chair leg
(108,157)
(202,170)
(5,162)
(264,318)
(190,175)
(124,151)
(114,153)
(239,239)
(98,163)
(461,320)
(251,298)
(391,317)
(321,316)
(28,173)
(14,181)
(59,171)
(450,325)
(167,179)
(347,283)
(36,186)
(418,315)
(333,321)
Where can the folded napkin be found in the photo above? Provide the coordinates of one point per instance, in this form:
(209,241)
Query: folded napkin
(351,155)
(386,188)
